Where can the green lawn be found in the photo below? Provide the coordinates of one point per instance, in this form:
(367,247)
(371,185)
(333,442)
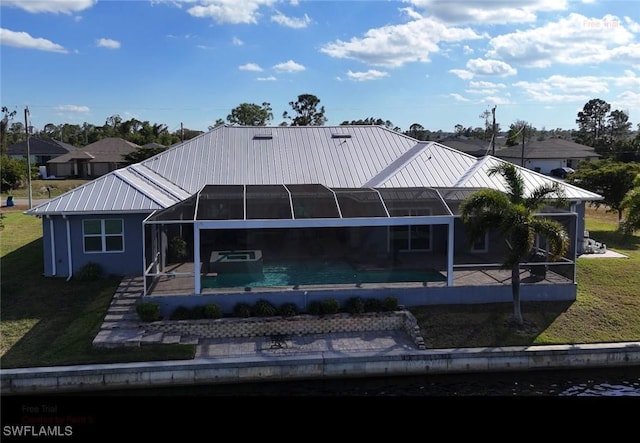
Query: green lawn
(46,321)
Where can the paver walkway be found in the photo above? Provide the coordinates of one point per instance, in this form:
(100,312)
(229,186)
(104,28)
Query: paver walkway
(123,327)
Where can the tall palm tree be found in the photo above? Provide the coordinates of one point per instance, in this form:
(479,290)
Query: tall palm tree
(513,215)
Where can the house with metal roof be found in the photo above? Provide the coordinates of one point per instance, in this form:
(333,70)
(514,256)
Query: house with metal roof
(93,160)
(296,214)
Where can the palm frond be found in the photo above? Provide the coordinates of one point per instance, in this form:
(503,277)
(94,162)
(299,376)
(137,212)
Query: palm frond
(555,235)
(511,175)
(546,194)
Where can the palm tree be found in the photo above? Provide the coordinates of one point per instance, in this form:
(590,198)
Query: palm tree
(513,215)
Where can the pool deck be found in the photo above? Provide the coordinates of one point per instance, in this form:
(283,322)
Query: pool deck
(182,281)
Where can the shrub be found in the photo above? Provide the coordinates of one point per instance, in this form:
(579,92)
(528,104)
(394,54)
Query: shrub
(242,310)
(197,312)
(148,311)
(315,308)
(89,272)
(354,305)
(264,308)
(212,310)
(177,250)
(323,307)
(390,303)
(330,306)
(181,313)
(372,305)
(288,309)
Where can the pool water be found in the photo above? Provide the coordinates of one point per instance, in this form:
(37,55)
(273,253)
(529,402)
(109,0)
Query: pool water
(320,273)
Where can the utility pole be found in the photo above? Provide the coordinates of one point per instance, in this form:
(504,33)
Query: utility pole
(26,127)
(181,132)
(493,138)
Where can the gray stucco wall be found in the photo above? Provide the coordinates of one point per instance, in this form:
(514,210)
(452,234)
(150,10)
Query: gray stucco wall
(118,263)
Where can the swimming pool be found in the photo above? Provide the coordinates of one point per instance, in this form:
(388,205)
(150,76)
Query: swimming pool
(316,273)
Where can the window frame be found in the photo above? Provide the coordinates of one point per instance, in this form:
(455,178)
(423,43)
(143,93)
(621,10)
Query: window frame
(103,236)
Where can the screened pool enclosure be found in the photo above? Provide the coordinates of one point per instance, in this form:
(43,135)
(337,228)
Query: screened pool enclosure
(271,238)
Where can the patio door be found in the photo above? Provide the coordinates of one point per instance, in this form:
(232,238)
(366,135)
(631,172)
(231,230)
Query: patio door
(411,237)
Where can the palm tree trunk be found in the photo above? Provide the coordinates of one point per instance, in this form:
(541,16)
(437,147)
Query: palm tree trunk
(515,289)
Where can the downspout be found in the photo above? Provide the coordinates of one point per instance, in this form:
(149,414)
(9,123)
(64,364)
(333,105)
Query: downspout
(53,245)
(69,248)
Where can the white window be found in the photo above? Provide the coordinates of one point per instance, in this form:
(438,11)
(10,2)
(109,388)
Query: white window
(103,235)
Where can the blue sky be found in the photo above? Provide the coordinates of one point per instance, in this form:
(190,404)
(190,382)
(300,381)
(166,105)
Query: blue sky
(433,62)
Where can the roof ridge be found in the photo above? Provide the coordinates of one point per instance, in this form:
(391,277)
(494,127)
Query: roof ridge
(397,164)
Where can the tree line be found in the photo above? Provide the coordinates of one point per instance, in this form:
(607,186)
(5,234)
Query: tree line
(608,131)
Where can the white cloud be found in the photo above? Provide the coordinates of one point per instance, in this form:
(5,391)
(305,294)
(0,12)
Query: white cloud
(271,78)
(627,99)
(108,43)
(488,12)
(72,108)
(289,66)
(462,73)
(498,68)
(291,22)
(230,11)
(250,67)
(24,40)
(458,97)
(484,88)
(396,45)
(54,7)
(496,100)
(371,74)
(560,88)
(632,25)
(237,42)
(575,39)
(629,80)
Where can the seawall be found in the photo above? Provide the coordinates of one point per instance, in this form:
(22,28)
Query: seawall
(314,366)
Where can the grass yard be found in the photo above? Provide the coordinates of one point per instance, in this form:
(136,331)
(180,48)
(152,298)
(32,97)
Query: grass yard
(49,321)
(607,308)
(46,322)
(39,189)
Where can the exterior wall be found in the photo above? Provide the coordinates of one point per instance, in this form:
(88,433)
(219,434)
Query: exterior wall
(60,169)
(128,262)
(580,228)
(407,296)
(99,169)
(545,165)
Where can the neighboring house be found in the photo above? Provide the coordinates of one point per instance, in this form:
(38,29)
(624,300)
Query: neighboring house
(93,160)
(471,146)
(41,150)
(321,211)
(545,155)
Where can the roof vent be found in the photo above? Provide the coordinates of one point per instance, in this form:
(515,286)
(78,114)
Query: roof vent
(340,135)
(263,136)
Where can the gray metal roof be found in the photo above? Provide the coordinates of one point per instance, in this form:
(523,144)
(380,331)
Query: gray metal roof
(334,156)
(124,190)
(478,177)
